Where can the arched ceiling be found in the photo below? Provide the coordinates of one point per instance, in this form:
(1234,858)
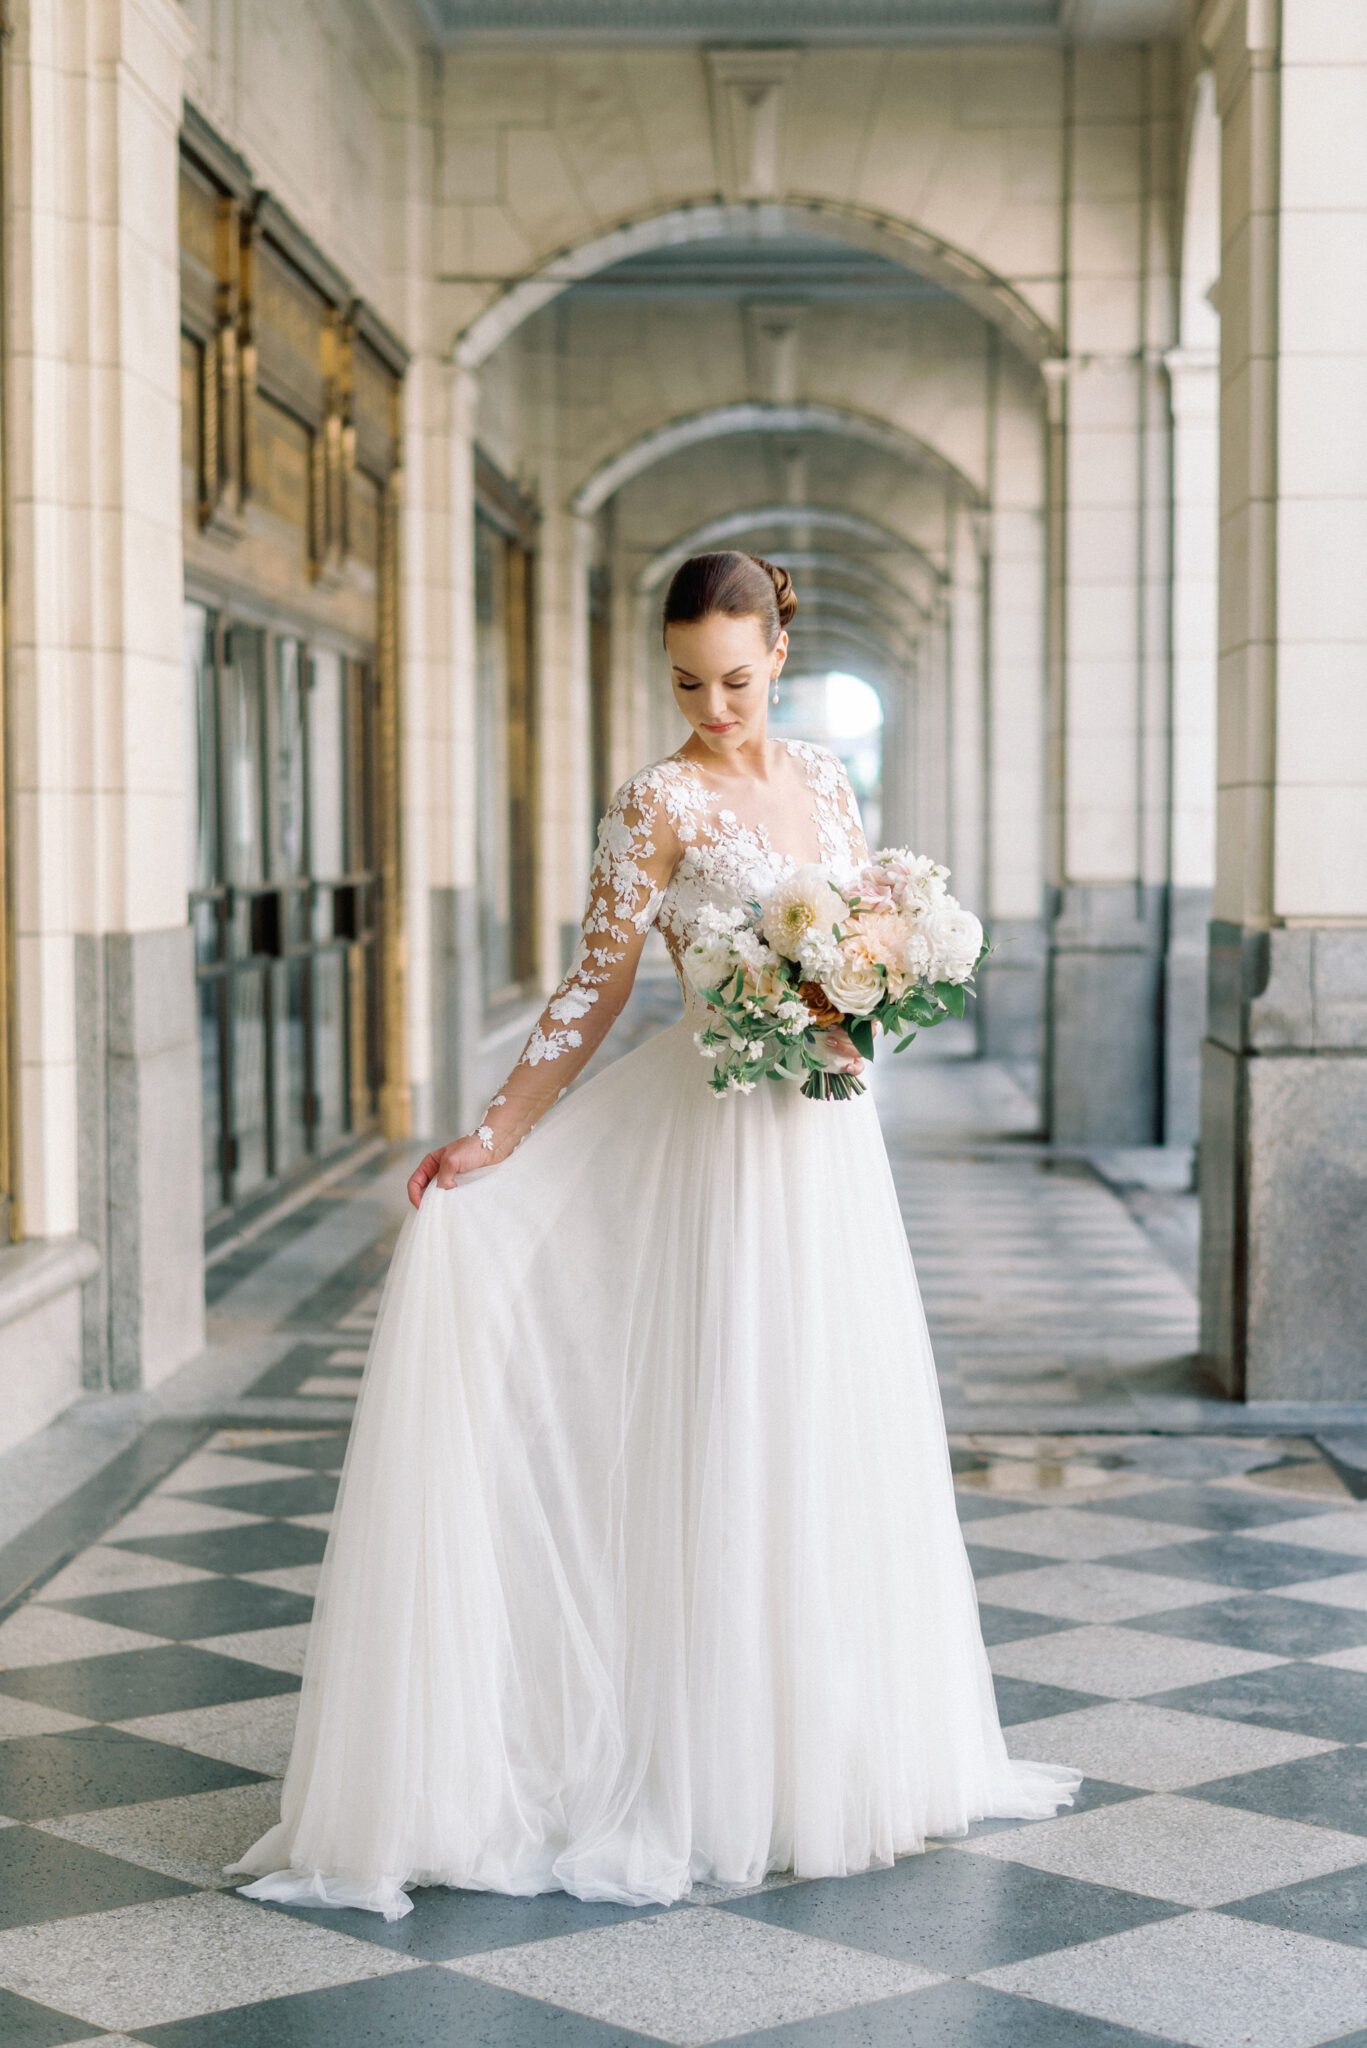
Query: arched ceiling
(757,416)
(810,223)
(803,21)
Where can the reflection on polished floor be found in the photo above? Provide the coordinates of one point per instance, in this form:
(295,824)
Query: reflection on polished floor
(1179,1609)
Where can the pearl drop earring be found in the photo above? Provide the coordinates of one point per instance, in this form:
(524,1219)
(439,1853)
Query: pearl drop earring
(773,694)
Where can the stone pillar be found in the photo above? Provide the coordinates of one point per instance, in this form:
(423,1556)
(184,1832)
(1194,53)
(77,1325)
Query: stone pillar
(1194,394)
(1284,1081)
(1012,987)
(566,766)
(965,780)
(1108,568)
(109,1050)
(449,741)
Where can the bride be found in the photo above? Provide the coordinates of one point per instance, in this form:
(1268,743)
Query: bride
(645,1567)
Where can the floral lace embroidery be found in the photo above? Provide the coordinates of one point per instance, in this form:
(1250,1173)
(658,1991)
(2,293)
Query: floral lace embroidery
(732,862)
(667,845)
(622,893)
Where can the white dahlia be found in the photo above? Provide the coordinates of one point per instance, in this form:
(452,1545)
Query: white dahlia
(802,905)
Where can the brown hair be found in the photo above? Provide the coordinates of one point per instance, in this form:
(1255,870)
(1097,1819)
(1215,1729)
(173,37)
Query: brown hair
(739,584)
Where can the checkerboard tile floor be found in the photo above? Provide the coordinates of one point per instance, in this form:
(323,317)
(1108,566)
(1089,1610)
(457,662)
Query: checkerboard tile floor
(1183,1617)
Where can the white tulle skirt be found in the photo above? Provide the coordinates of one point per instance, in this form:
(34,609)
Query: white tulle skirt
(645,1566)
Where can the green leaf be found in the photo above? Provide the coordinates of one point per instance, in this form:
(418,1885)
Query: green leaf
(903,1043)
(861,1035)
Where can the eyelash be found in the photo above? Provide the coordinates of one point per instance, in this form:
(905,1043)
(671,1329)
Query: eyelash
(730,686)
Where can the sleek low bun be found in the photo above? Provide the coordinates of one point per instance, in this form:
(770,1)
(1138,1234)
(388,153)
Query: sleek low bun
(785,597)
(730,581)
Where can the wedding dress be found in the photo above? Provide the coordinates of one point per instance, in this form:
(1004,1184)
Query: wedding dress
(645,1567)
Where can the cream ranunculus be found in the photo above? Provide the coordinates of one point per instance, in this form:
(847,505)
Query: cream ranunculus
(955,937)
(802,905)
(854,984)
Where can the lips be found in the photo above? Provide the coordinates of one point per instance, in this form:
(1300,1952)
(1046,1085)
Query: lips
(719,728)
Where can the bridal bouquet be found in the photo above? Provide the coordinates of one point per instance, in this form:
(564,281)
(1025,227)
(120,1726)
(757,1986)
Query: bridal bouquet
(892,947)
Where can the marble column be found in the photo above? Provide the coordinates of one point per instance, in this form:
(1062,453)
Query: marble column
(1194,393)
(109,1052)
(1284,1083)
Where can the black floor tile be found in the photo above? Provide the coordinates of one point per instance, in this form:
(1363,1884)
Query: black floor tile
(1267,1622)
(951,1911)
(130,1683)
(1334,1907)
(323,1453)
(44,1877)
(983,1507)
(250,1547)
(305,1493)
(952,2016)
(421,2008)
(1328,1789)
(1091,1792)
(1207,1507)
(446,1921)
(1024,1699)
(26,2025)
(989,1559)
(83,1770)
(1234,1560)
(204,1607)
(1013,1624)
(1308,1699)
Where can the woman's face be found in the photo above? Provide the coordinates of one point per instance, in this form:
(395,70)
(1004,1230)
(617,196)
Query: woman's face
(722,672)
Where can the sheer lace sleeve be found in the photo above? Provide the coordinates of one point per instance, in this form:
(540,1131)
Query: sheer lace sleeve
(850,815)
(636,853)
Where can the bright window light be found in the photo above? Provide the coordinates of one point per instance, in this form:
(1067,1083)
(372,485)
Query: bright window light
(854,709)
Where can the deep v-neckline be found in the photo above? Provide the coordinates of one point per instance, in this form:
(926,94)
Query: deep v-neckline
(724,821)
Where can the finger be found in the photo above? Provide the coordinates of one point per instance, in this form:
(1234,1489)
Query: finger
(446,1178)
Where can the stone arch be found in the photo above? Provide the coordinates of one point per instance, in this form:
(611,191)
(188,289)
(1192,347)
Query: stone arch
(762,416)
(850,226)
(731,526)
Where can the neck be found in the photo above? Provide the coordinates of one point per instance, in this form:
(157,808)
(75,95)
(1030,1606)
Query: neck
(751,761)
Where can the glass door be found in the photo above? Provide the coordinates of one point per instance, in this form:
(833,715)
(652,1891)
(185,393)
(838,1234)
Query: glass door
(285,901)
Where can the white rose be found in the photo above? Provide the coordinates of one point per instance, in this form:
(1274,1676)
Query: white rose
(955,938)
(710,962)
(801,906)
(854,984)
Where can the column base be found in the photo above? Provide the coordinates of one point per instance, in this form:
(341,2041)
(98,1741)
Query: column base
(1011,991)
(140,1168)
(1184,1012)
(1103,1063)
(1284,1163)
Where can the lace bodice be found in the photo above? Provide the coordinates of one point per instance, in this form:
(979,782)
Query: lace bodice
(667,844)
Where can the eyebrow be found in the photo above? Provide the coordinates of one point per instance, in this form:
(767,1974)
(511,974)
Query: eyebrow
(697,679)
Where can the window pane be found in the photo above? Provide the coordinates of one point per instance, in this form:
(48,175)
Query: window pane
(290,979)
(244,695)
(327,767)
(249,1080)
(330,1019)
(287,783)
(211,1070)
(203,746)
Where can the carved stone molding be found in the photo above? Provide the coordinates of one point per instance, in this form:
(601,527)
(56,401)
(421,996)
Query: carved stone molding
(747,92)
